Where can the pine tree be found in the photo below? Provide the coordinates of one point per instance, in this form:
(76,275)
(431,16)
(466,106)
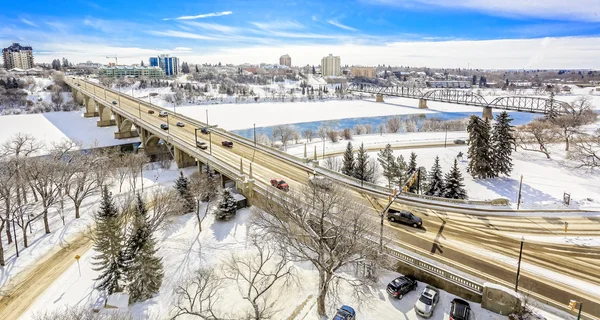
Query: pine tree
(503,142)
(143,268)
(436,180)
(363,170)
(142,63)
(182,186)
(454,183)
(423,180)
(348,161)
(387,161)
(227,205)
(412,168)
(197,70)
(399,171)
(108,240)
(480,158)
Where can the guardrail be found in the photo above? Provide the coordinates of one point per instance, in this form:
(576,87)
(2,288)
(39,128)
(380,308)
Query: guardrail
(455,201)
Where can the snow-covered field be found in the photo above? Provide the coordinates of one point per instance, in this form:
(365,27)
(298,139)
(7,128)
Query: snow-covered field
(53,127)
(183,251)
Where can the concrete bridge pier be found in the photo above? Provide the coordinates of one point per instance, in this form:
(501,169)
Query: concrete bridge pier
(487,113)
(90,107)
(423,104)
(379,98)
(77,96)
(125,127)
(183,159)
(105,114)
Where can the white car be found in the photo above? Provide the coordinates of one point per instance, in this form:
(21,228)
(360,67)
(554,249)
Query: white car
(427,302)
(163,114)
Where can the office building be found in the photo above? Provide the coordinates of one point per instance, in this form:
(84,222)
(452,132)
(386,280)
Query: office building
(129,71)
(365,72)
(169,64)
(17,56)
(330,66)
(285,60)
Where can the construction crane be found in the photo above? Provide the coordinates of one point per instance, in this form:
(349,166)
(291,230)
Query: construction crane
(116,59)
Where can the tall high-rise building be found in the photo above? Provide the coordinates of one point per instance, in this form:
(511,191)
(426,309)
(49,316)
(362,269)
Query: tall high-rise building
(17,56)
(285,60)
(167,63)
(330,66)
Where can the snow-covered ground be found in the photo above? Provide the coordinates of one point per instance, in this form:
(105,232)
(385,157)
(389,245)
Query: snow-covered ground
(53,127)
(544,180)
(41,244)
(183,251)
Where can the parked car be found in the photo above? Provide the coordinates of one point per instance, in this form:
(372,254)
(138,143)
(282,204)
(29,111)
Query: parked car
(227,144)
(401,286)
(405,217)
(280,184)
(459,141)
(163,114)
(180,124)
(114,102)
(204,130)
(459,310)
(164,126)
(427,301)
(345,313)
(150,111)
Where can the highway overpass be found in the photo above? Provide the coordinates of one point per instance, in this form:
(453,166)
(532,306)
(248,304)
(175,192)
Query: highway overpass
(450,227)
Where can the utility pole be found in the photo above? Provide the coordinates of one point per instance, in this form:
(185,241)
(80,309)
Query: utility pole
(519,196)
(254,134)
(519,265)
(207,117)
(446,136)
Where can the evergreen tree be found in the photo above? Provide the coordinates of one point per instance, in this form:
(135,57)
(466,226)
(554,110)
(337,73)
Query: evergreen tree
(399,171)
(182,186)
(412,168)
(197,69)
(436,180)
(363,170)
(503,142)
(423,180)
(454,183)
(143,268)
(142,63)
(387,161)
(227,205)
(348,161)
(479,154)
(108,240)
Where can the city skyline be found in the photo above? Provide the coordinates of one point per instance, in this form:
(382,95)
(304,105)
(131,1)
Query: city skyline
(435,33)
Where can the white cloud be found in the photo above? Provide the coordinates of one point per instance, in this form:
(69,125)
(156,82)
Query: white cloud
(580,10)
(180,34)
(339,25)
(201,16)
(28,22)
(278,25)
(180,49)
(212,27)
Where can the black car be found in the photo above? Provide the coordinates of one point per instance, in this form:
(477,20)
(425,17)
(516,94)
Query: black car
(459,141)
(227,144)
(401,286)
(459,310)
(180,124)
(405,217)
(114,102)
(204,130)
(164,126)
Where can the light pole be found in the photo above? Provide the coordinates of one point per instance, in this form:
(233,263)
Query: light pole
(254,134)
(519,265)
(446,136)
(210,142)
(207,117)
(519,196)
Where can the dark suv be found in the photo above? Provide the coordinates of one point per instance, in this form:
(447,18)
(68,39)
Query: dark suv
(401,286)
(459,310)
(405,217)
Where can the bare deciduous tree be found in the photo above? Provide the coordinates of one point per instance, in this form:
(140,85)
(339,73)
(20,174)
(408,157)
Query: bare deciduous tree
(204,188)
(21,146)
(577,114)
(165,205)
(359,129)
(283,133)
(587,150)
(199,296)
(347,134)
(322,132)
(536,135)
(333,164)
(295,135)
(393,124)
(80,313)
(308,134)
(257,273)
(308,227)
(8,186)
(368,129)
(333,135)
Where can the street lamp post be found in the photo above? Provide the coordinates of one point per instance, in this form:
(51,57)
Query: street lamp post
(446,136)
(254,135)
(15,236)
(207,117)
(210,142)
(519,265)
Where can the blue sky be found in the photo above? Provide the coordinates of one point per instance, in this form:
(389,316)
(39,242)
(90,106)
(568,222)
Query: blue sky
(360,31)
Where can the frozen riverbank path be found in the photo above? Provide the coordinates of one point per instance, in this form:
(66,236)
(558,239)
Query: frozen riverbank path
(466,97)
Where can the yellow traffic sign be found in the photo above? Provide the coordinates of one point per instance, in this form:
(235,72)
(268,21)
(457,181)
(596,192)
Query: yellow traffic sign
(77,257)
